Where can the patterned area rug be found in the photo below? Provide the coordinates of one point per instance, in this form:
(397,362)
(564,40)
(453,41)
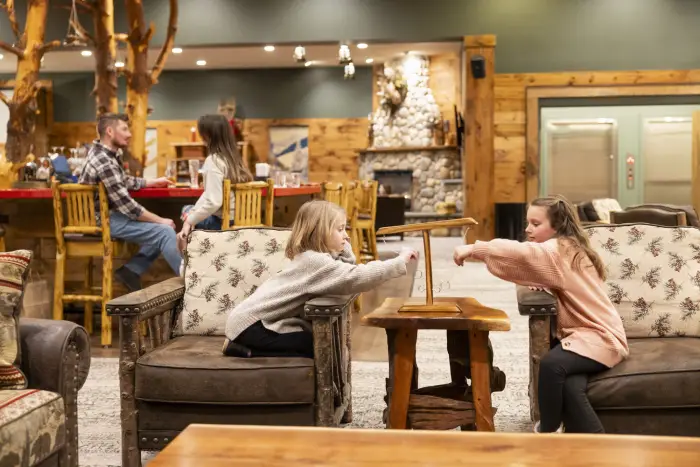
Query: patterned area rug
(100,437)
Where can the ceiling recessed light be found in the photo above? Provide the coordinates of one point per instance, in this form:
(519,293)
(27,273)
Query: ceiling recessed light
(177,50)
(1,56)
(362,45)
(119,64)
(369,60)
(201,62)
(269,48)
(86,53)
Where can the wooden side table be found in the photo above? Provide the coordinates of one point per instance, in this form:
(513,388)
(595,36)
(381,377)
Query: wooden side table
(402,330)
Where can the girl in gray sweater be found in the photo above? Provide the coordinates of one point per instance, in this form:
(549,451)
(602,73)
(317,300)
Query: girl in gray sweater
(269,322)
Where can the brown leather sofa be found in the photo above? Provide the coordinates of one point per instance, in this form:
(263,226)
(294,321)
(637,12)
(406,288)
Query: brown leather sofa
(690,215)
(649,215)
(655,390)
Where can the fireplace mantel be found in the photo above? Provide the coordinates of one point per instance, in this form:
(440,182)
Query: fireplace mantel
(406,149)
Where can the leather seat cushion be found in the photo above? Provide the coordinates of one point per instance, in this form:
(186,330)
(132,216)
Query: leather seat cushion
(660,372)
(194,369)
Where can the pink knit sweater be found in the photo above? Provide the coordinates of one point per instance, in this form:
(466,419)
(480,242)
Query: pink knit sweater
(587,322)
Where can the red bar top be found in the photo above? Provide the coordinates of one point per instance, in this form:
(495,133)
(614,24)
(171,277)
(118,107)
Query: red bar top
(45,193)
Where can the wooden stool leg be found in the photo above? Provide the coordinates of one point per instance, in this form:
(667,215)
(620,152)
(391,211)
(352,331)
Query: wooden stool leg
(481,379)
(88,318)
(106,339)
(58,286)
(405,353)
(2,244)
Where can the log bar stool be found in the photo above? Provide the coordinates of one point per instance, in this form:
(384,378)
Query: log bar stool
(247,210)
(366,216)
(431,408)
(79,236)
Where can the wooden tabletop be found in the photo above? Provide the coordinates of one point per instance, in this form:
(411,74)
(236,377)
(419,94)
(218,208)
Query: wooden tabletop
(473,316)
(224,446)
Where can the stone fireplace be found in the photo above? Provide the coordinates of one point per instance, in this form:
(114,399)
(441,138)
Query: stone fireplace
(407,157)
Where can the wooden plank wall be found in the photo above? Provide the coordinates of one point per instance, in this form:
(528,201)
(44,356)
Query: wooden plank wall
(509,144)
(333,142)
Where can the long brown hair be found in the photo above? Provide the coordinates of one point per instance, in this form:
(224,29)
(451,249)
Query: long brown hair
(218,135)
(312,227)
(564,220)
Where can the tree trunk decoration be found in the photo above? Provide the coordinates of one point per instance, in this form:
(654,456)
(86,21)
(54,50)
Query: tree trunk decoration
(29,50)
(139,78)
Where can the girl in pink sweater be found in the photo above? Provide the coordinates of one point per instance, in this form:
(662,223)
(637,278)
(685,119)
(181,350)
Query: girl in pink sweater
(558,256)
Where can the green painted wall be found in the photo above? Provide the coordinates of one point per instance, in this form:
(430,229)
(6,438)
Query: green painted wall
(269,93)
(533,35)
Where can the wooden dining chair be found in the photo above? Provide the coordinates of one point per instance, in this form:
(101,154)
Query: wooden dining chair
(366,217)
(248,207)
(78,235)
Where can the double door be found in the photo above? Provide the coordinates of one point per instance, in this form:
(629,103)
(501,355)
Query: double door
(635,154)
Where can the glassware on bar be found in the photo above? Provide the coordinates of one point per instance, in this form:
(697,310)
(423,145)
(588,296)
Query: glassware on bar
(171,171)
(194,173)
(280,178)
(294,180)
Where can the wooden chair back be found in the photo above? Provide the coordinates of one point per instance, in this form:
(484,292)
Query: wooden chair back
(333,192)
(74,211)
(248,199)
(367,198)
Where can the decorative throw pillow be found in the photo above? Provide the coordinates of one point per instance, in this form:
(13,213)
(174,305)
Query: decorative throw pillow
(653,277)
(603,206)
(221,269)
(14,269)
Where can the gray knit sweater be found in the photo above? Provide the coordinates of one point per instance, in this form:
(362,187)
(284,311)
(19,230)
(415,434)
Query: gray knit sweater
(279,301)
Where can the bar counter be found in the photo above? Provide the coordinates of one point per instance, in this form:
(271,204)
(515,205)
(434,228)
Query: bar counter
(27,217)
(145,193)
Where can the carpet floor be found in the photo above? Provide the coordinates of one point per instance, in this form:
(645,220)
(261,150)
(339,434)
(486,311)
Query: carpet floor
(98,409)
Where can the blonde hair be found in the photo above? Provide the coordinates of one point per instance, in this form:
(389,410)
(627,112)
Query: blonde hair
(565,222)
(312,227)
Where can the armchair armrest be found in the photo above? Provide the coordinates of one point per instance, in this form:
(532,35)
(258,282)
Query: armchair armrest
(45,347)
(535,302)
(56,357)
(328,306)
(150,301)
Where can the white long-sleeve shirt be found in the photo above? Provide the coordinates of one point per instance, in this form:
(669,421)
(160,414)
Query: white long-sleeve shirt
(211,201)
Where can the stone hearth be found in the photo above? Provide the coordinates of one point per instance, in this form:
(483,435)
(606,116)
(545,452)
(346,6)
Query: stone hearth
(437,174)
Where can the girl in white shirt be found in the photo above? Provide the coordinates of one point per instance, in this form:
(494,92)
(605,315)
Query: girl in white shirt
(224,162)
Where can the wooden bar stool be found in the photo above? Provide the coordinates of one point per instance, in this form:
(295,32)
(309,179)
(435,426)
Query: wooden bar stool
(78,235)
(248,204)
(366,216)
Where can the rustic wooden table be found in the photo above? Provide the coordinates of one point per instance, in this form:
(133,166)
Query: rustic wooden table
(242,446)
(475,318)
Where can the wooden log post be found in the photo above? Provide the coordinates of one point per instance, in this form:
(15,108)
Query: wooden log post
(139,78)
(478,155)
(105,58)
(29,49)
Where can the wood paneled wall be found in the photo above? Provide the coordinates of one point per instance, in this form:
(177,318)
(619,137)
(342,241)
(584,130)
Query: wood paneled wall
(510,118)
(333,142)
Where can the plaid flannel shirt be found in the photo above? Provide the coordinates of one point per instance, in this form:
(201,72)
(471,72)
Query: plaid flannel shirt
(104,165)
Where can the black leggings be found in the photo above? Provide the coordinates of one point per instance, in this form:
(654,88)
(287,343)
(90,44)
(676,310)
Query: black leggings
(265,343)
(562,392)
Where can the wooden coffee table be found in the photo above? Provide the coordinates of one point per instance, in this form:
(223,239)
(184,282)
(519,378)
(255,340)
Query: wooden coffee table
(243,446)
(403,328)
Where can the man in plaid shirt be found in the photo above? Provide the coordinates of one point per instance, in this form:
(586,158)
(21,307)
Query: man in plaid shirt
(129,221)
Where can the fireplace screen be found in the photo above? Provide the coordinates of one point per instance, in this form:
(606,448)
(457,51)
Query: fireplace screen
(395,183)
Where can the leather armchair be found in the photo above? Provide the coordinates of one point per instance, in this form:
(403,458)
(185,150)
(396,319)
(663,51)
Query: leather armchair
(654,390)
(159,374)
(55,357)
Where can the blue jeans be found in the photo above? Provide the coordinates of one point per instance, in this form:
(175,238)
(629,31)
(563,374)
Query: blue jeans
(154,239)
(210,223)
